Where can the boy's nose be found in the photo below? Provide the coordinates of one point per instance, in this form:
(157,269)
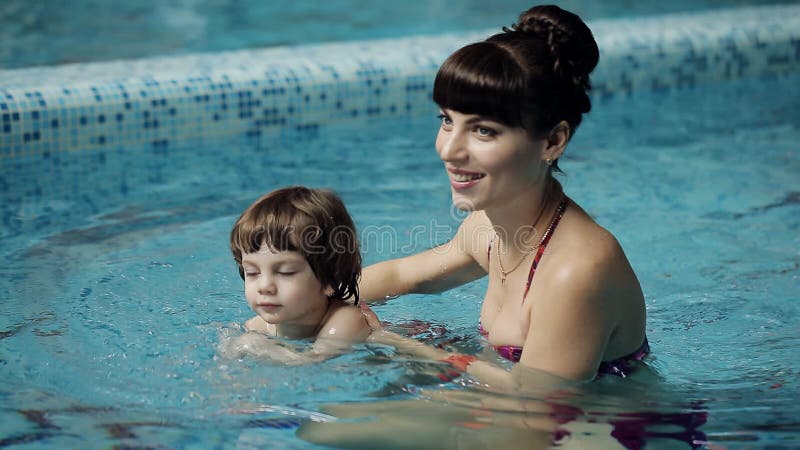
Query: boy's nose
(266,285)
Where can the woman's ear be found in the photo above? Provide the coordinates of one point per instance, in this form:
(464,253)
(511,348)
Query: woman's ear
(557,141)
(328,290)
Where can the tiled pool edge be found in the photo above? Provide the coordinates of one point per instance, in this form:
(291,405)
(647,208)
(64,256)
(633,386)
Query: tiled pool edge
(171,101)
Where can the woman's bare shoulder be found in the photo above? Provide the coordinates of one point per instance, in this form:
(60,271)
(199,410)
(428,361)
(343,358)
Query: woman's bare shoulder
(585,242)
(588,258)
(474,236)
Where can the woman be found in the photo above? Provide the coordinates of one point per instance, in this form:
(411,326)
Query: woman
(561,297)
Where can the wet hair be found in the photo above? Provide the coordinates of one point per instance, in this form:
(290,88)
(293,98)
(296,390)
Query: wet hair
(313,222)
(533,75)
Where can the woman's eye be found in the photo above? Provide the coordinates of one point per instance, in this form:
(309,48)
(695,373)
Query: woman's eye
(446,121)
(251,274)
(485,132)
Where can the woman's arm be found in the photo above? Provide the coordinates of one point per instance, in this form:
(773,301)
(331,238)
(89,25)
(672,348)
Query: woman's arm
(484,371)
(435,270)
(574,327)
(520,378)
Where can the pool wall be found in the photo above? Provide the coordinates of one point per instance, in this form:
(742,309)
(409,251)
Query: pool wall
(165,102)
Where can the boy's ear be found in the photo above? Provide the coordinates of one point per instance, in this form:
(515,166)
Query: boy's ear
(328,289)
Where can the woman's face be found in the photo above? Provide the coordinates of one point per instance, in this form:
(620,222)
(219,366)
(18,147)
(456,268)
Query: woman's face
(488,163)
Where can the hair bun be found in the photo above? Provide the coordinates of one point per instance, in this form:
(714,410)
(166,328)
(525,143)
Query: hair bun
(570,41)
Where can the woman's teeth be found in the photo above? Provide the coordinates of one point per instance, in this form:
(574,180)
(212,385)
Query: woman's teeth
(463,177)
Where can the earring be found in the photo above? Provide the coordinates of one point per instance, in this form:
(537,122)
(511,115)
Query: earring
(549,161)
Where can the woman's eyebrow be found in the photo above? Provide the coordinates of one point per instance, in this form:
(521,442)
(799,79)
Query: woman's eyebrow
(476,119)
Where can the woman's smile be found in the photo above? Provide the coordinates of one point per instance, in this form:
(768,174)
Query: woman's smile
(463,179)
(487,168)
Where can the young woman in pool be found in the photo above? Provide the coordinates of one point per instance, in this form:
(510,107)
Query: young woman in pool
(562,297)
(298,255)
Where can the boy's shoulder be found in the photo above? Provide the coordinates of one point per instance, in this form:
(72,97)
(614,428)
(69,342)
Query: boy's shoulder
(345,321)
(345,311)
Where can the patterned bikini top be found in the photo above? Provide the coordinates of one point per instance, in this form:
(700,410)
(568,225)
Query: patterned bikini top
(621,367)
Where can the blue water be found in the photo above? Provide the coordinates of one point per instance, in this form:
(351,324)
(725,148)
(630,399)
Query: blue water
(117,284)
(56,32)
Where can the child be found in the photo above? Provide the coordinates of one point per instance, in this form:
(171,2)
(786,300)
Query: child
(298,255)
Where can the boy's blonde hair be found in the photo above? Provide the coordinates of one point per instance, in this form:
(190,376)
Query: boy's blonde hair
(313,222)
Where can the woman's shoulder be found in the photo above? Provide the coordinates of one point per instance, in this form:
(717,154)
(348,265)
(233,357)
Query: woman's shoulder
(476,222)
(585,237)
(585,253)
(476,233)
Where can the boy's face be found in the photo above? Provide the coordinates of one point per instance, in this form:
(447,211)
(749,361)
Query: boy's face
(281,288)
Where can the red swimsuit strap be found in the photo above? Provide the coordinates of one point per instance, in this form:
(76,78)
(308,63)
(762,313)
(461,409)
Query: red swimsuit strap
(562,206)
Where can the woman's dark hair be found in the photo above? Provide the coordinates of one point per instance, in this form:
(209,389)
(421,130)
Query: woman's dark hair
(534,74)
(313,222)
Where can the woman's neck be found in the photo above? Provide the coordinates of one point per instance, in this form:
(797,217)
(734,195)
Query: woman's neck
(520,223)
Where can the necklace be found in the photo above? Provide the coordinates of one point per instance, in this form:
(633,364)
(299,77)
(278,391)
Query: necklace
(504,273)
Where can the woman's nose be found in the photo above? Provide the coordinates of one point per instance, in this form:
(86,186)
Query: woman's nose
(451,145)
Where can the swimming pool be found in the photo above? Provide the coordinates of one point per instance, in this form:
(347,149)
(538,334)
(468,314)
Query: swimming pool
(121,284)
(57,33)
(116,300)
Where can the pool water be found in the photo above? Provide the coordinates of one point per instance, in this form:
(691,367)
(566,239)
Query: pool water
(49,32)
(118,284)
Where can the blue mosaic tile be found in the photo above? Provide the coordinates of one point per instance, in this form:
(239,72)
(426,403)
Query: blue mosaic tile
(169,101)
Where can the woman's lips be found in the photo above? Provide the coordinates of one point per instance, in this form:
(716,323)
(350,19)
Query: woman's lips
(463,179)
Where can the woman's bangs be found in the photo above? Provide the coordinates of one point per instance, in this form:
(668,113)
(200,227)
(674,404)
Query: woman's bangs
(478,79)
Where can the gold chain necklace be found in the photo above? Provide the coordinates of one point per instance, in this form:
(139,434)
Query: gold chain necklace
(503,272)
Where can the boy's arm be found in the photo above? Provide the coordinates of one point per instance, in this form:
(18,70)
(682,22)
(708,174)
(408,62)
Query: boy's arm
(256,324)
(252,343)
(259,345)
(345,326)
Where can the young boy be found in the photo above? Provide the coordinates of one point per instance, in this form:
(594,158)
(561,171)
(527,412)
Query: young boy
(298,255)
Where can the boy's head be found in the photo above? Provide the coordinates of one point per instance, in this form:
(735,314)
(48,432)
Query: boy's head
(312,222)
